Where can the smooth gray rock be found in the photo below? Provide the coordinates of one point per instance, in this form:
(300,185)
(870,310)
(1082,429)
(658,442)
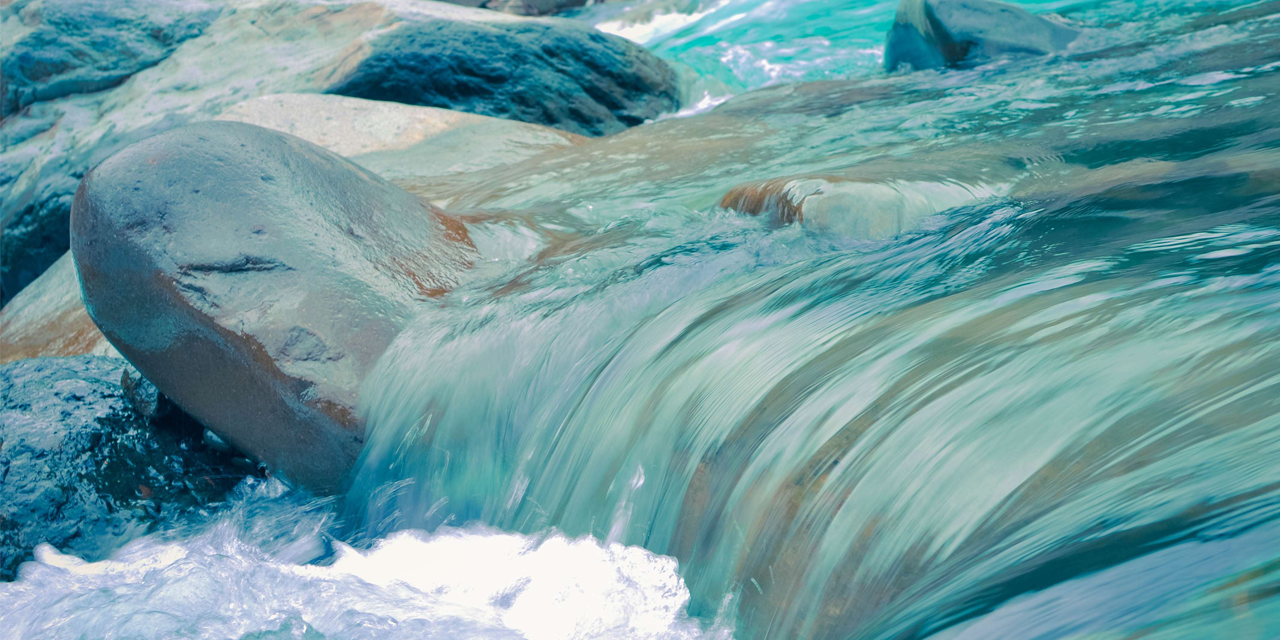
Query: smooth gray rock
(543,70)
(432,146)
(932,34)
(80,470)
(254,278)
(61,47)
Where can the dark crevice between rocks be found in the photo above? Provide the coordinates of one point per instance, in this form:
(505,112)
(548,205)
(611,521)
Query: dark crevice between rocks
(92,456)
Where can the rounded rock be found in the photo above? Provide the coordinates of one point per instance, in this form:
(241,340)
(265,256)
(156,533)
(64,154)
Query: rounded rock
(254,278)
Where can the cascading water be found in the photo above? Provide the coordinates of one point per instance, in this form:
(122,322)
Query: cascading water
(882,440)
(1050,409)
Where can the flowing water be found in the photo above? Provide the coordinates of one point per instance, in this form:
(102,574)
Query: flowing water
(1048,408)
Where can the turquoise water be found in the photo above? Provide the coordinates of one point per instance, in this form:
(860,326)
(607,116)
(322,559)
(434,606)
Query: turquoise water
(739,45)
(991,425)
(1047,405)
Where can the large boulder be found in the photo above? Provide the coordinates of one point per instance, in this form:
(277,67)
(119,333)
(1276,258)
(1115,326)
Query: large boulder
(557,73)
(254,278)
(548,71)
(82,470)
(48,318)
(61,47)
(931,34)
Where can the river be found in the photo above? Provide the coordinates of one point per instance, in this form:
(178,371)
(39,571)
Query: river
(1045,404)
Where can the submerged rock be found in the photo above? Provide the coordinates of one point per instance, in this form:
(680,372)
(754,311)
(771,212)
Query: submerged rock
(82,470)
(931,34)
(254,278)
(61,47)
(144,397)
(857,208)
(543,70)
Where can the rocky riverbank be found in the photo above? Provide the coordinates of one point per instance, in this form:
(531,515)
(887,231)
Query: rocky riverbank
(68,109)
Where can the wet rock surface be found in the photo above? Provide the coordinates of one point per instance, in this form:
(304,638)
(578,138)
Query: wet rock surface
(81,470)
(61,47)
(508,66)
(559,74)
(393,140)
(254,278)
(856,208)
(932,34)
(47,319)
(527,7)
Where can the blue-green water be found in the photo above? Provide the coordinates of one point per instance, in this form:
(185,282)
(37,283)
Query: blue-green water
(1048,408)
(739,45)
(993,424)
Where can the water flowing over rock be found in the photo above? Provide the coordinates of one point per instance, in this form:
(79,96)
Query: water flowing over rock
(545,70)
(82,470)
(1049,412)
(855,208)
(254,277)
(931,34)
(891,439)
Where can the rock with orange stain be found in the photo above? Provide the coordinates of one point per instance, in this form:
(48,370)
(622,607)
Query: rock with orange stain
(857,207)
(254,278)
(47,319)
(393,140)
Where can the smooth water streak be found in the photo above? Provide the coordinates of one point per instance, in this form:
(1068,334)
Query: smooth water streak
(1069,373)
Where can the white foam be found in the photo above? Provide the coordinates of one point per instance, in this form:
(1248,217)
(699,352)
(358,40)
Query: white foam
(659,25)
(473,583)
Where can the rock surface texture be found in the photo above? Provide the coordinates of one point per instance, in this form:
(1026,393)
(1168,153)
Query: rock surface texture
(394,140)
(61,47)
(544,70)
(525,7)
(254,277)
(932,34)
(555,73)
(47,319)
(83,471)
